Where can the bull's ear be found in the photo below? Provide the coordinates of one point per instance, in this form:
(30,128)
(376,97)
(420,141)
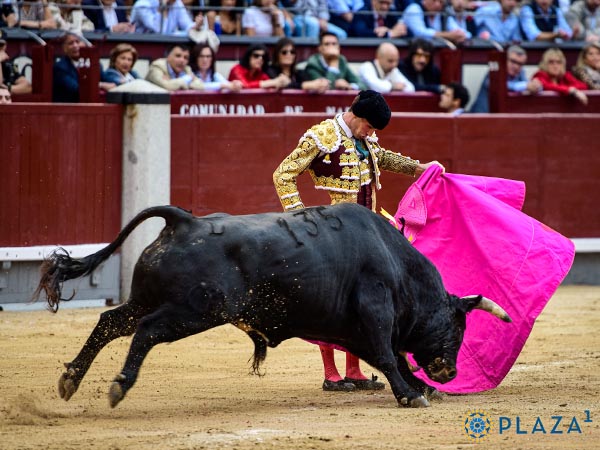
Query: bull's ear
(472,302)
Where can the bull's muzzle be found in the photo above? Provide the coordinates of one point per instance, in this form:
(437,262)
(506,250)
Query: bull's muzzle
(441,370)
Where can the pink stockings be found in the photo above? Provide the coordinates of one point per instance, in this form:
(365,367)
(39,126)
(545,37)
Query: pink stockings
(331,372)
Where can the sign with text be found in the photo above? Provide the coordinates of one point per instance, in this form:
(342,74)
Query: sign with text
(259,101)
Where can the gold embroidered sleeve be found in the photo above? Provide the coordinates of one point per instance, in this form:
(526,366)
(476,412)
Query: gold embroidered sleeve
(395,162)
(286,174)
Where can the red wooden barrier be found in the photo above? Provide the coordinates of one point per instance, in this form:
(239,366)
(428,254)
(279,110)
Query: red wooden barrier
(61,165)
(61,173)
(450,65)
(42,59)
(89,75)
(498,91)
(226,163)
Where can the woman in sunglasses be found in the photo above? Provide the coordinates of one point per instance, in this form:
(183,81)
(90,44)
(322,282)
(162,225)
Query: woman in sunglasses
(284,62)
(554,76)
(251,70)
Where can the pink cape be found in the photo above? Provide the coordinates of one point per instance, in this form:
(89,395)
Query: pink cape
(472,229)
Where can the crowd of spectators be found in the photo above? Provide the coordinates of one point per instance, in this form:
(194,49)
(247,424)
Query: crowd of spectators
(420,21)
(504,21)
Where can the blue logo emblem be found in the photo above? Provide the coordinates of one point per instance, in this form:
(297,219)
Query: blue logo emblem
(477,425)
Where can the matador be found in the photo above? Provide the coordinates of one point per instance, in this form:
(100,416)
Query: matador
(343,157)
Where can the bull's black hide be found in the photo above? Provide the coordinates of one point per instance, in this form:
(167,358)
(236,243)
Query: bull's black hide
(339,274)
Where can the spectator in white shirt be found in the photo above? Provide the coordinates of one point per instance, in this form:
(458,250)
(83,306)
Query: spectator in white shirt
(263,18)
(382,74)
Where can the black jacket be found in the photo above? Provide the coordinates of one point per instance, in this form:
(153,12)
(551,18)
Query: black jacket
(96,14)
(427,80)
(363,22)
(65,81)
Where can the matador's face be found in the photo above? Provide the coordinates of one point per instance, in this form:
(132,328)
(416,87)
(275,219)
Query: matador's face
(360,127)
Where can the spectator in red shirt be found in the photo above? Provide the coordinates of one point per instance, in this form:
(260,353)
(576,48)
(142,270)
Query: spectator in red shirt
(553,75)
(251,70)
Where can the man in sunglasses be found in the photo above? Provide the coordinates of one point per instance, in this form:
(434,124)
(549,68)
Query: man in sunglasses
(343,157)
(516,80)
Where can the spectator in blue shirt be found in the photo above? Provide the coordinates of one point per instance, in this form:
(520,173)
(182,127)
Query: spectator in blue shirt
(461,11)
(498,21)
(311,18)
(163,16)
(120,67)
(542,21)
(516,81)
(427,21)
(341,12)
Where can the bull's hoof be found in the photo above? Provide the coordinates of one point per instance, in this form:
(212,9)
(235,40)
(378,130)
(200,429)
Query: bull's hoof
(434,394)
(116,392)
(66,385)
(417,402)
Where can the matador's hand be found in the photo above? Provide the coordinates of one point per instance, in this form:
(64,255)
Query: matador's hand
(423,167)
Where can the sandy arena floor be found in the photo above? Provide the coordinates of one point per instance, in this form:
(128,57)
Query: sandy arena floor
(197,394)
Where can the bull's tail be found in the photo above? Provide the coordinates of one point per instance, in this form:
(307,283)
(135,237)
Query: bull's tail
(60,267)
(260,351)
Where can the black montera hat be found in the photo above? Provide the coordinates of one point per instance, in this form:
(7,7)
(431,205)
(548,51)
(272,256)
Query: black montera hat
(372,106)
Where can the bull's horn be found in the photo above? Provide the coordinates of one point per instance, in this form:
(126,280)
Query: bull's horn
(490,306)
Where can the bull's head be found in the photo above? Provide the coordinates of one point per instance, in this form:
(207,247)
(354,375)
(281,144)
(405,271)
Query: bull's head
(441,342)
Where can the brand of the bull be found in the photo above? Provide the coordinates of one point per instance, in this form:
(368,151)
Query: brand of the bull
(207,109)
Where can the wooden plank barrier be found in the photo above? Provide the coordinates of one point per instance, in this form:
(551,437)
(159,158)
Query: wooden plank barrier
(61,173)
(225,163)
(61,165)
(42,59)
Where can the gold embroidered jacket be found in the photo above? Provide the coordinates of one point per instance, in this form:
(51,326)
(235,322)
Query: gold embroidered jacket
(331,158)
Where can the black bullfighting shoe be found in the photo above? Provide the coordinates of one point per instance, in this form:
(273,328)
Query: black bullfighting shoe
(341,385)
(366,385)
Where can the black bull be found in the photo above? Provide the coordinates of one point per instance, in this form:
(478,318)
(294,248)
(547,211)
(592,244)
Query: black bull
(339,274)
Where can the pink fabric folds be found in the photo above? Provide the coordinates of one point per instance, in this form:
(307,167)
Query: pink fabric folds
(472,229)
